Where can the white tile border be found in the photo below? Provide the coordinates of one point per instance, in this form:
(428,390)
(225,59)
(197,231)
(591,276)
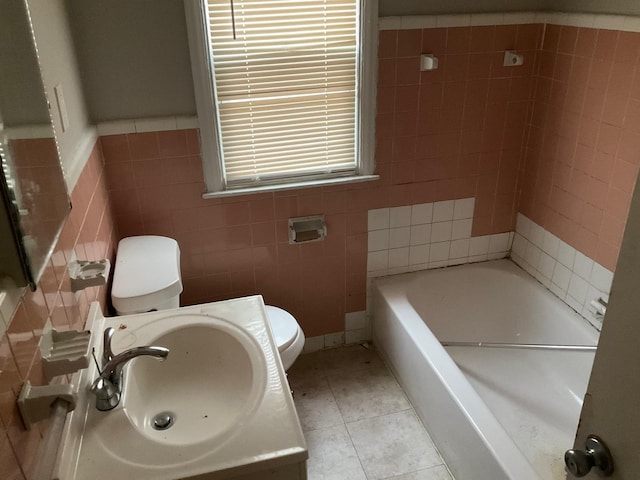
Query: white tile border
(142,125)
(439,236)
(625,23)
(568,273)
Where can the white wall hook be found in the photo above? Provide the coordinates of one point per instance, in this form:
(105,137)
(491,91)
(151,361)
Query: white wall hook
(428,62)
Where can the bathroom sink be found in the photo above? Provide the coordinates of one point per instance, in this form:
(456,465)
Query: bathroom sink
(219,406)
(210,384)
(211,381)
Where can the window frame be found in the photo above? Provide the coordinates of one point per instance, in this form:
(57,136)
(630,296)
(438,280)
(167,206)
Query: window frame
(204,89)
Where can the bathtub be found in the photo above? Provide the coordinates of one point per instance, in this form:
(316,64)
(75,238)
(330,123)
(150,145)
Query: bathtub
(493,413)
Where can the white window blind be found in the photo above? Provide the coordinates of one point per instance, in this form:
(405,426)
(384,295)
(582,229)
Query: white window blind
(285,88)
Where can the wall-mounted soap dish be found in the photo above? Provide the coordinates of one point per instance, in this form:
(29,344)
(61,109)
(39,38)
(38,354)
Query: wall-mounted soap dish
(63,352)
(85,273)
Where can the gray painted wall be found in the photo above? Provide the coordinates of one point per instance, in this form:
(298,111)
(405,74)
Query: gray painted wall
(22,100)
(134,57)
(620,7)
(60,67)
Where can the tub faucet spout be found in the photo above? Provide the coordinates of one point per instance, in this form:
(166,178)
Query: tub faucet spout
(108,386)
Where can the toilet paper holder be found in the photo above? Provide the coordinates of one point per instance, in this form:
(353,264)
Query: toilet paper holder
(307,229)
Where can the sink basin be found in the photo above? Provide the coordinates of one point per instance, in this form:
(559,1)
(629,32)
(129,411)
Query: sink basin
(208,385)
(218,407)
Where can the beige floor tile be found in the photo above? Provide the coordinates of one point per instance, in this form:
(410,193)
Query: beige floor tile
(367,393)
(315,403)
(349,359)
(309,364)
(438,472)
(332,456)
(393,444)
(353,383)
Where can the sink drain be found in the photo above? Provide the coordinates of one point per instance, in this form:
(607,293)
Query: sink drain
(163,421)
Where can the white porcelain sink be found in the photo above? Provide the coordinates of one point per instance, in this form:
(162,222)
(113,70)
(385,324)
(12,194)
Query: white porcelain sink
(222,384)
(209,384)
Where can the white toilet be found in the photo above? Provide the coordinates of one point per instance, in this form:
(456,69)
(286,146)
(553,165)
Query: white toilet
(147,277)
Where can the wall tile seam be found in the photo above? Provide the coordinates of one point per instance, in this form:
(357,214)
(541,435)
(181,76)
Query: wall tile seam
(626,23)
(567,275)
(103,212)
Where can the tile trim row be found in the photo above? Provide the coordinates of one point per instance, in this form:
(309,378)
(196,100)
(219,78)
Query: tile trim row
(566,272)
(625,23)
(143,125)
(428,235)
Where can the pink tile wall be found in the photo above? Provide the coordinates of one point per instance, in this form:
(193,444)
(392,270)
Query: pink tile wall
(238,245)
(457,131)
(89,232)
(583,150)
(453,133)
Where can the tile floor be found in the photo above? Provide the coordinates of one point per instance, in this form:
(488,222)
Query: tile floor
(357,420)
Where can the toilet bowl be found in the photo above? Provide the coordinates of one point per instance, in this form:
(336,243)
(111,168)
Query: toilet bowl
(286,333)
(147,277)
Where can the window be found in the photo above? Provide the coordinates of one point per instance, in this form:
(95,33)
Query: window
(285,91)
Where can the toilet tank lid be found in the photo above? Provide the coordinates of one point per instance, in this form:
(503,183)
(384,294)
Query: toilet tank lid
(146,265)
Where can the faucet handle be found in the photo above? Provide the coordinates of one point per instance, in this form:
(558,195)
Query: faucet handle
(107,353)
(107,394)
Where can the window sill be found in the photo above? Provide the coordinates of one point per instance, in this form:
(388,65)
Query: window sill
(290,186)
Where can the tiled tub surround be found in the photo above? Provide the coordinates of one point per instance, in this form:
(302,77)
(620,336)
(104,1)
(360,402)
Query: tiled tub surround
(583,149)
(462,125)
(88,234)
(428,235)
(568,273)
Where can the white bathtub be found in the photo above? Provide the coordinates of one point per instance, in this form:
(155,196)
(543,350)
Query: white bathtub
(493,413)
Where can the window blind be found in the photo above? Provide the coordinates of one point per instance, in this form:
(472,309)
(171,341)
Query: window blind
(285,87)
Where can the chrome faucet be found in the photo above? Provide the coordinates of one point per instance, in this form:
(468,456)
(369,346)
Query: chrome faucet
(108,386)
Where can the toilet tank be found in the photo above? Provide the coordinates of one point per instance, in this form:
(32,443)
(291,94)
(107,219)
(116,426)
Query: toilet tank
(146,275)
